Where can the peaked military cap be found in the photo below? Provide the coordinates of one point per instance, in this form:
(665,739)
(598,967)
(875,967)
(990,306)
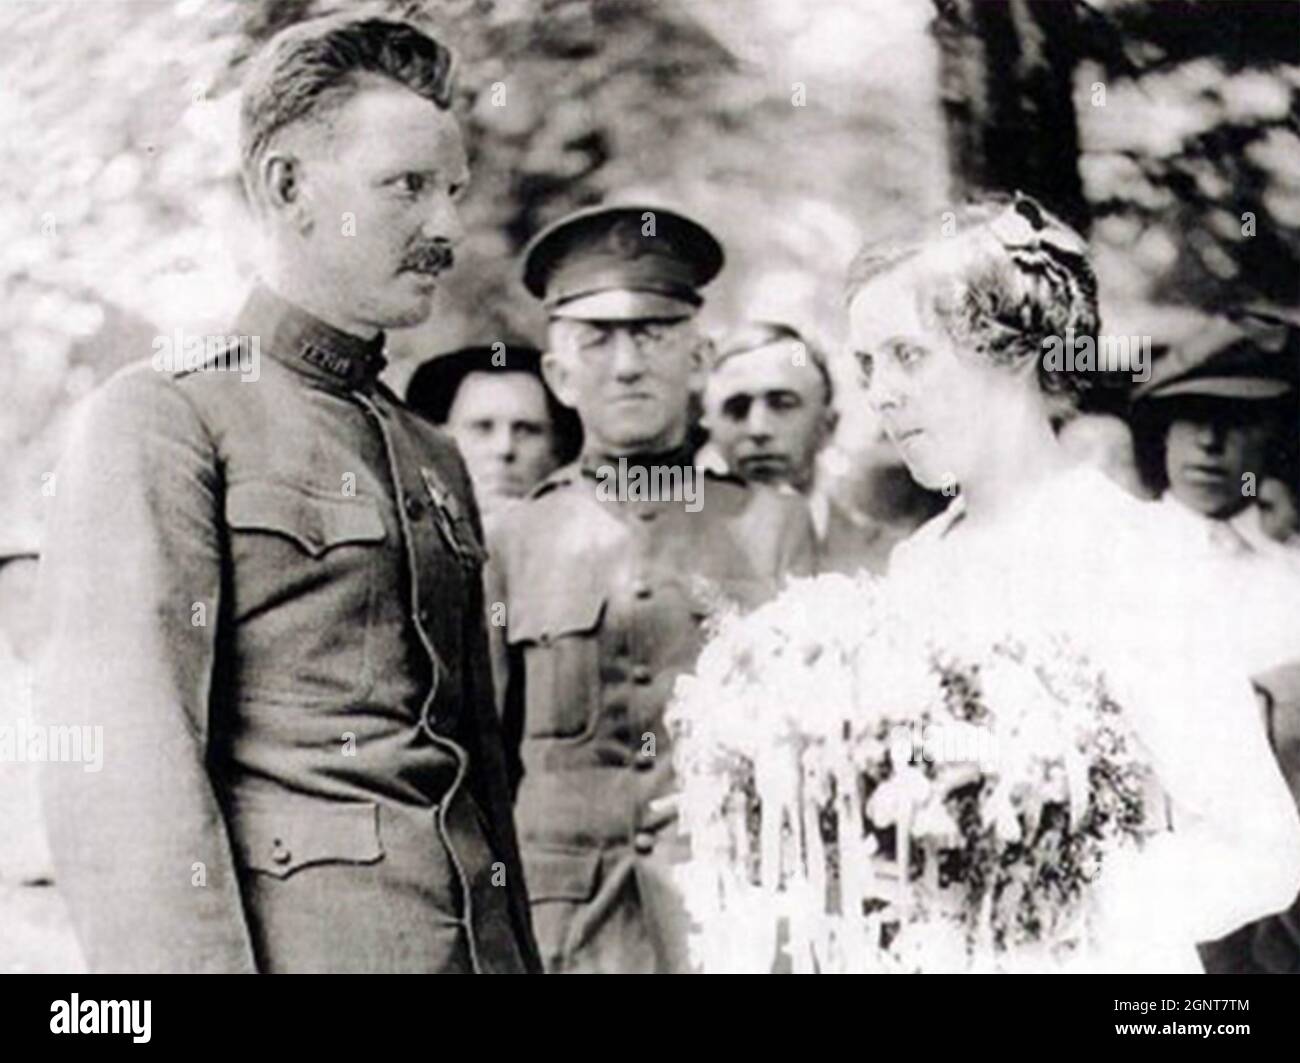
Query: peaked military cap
(622,263)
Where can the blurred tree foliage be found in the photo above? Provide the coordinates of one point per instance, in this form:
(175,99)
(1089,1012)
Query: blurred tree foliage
(1183,117)
(1008,99)
(792,127)
(1192,163)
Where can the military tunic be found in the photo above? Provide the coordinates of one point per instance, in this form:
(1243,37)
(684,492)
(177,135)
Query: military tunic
(267,591)
(603,605)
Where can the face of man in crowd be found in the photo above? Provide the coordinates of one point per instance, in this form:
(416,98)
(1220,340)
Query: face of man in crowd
(503,428)
(371,193)
(766,412)
(1209,448)
(630,381)
(944,410)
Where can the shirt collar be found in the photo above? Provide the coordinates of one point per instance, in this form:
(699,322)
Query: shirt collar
(1239,534)
(682,455)
(306,343)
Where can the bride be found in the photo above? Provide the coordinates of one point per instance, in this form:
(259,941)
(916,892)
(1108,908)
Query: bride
(950,332)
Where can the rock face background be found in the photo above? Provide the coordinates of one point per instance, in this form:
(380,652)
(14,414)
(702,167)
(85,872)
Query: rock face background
(793,128)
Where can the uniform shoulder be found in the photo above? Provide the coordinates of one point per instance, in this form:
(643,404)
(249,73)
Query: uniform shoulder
(132,418)
(519,521)
(138,390)
(556,482)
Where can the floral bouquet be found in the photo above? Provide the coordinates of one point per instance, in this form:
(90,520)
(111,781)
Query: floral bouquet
(865,794)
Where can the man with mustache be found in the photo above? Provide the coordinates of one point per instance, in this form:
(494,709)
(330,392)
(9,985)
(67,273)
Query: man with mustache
(269,593)
(599,591)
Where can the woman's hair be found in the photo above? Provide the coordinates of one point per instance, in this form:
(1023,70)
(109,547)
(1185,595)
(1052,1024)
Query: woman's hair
(1009,278)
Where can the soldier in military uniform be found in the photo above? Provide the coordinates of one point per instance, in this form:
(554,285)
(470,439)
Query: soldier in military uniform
(602,593)
(266,587)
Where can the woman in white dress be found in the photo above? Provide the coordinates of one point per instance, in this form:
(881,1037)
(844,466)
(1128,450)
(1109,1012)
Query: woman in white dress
(960,335)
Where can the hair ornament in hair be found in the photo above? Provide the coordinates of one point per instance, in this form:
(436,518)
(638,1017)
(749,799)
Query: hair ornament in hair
(1024,225)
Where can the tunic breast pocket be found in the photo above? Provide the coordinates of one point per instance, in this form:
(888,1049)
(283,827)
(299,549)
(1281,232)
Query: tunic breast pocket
(557,635)
(305,568)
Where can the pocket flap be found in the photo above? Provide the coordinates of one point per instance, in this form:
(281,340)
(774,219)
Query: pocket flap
(281,839)
(542,616)
(316,522)
(560,874)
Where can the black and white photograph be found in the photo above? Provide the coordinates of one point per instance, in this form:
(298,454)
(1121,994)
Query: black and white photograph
(651,487)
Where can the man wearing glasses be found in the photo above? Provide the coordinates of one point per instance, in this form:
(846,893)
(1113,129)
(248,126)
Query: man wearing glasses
(597,595)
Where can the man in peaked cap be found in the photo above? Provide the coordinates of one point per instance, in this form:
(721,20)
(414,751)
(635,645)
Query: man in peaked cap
(1221,404)
(622,264)
(509,427)
(605,584)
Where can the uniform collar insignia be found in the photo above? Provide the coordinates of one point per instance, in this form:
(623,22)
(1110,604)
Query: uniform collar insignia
(305,342)
(681,455)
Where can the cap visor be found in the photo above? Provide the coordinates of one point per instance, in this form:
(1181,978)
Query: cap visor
(1223,388)
(623,305)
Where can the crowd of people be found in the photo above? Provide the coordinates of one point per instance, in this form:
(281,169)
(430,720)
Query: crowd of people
(1212,435)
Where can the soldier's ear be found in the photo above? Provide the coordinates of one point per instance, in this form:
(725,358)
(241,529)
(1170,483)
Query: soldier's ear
(280,177)
(701,360)
(710,404)
(555,371)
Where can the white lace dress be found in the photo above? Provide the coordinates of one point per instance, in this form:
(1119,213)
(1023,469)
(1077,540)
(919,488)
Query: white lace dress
(1084,557)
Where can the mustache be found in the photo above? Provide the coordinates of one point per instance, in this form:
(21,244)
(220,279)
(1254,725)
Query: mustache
(432,258)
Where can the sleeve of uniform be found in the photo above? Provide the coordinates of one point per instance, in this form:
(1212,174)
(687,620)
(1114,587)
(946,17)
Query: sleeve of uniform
(131,584)
(492,757)
(506,671)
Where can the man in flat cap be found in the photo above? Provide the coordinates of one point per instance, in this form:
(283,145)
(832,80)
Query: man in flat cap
(1218,416)
(493,402)
(604,575)
(769,408)
(266,585)
(1218,410)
